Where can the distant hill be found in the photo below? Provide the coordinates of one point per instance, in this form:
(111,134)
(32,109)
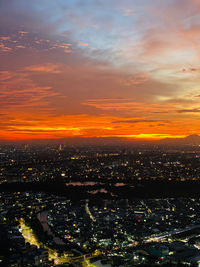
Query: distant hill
(82,141)
(193,139)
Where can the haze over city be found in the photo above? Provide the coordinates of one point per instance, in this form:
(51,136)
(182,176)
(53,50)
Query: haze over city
(99,69)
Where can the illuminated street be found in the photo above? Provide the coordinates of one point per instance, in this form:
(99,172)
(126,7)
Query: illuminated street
(29,237)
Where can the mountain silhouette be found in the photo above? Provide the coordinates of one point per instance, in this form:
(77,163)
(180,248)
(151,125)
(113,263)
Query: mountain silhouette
(193,139)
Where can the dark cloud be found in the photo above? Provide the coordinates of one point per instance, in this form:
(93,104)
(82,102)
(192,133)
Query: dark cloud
(137,121)
(160,112)
(189,70)
(194,110)
(161,124)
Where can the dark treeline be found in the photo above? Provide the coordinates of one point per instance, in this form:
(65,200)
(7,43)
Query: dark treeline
(146,189)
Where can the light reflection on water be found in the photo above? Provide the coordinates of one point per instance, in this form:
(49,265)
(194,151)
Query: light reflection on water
(119,184)
(102,190)
(95,191)
(81,183)
(91,183)
(42,217)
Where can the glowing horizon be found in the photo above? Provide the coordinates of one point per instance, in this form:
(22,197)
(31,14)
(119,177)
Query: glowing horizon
(97,69)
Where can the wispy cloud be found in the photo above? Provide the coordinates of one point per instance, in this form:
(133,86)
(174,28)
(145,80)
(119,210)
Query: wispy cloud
(137,121)
(19,90)
(4,48)
(47,67)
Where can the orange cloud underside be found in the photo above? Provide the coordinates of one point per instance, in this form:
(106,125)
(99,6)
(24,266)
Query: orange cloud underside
(54,127)
(33,108)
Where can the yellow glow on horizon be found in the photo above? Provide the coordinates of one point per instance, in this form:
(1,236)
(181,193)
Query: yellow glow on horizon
(91,126)
(152,136)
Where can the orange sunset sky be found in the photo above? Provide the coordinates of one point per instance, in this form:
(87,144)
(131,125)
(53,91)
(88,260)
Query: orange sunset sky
(96,68)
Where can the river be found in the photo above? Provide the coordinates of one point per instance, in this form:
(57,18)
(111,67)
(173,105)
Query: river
(99,264)
(42,217)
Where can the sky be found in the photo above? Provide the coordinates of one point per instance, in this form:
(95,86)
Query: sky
(96,68)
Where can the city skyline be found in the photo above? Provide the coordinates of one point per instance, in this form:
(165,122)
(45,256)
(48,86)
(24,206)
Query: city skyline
(99,69)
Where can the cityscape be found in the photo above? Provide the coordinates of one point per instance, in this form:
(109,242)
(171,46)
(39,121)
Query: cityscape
(99,206)
(99,133)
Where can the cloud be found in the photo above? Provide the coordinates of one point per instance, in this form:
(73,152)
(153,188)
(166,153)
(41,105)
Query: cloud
(160,112)
(65,46)
(161,124)
(110,104)
(68,51)
(194,110)
(5,75)
(136,79)
(128,105)
(23,33)
(18,90)
(32,41)
(4,48)
(190,70)
(83,44)
(5,38)
(47,67)
(137,121)
(20,46)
